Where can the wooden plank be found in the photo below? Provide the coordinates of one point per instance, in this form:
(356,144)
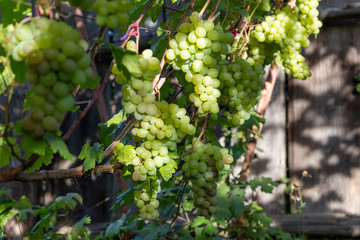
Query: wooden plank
(324,126)
(325,225)
(270,156)
(327,4)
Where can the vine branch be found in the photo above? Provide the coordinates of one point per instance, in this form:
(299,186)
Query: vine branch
(262,106)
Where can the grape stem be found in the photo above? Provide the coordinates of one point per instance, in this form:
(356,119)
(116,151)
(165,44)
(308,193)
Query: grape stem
(103,84)
(214,11)
(129,123)
(247,22)
(226,12)
(197,140)
(179,204)
(262,106)
(156,82)
(132,28)
(91,102)
(204,8)
(96,44)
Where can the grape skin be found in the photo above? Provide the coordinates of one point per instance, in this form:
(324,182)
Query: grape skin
(52,70)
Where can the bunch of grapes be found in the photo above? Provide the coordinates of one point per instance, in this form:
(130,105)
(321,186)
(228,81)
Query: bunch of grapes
(290,29)
(57,63)
(158,135)
(112,13)
(169,123)
(202,166)
(241,84)
(147,203)
(197,49)
(138,98)
(150,156)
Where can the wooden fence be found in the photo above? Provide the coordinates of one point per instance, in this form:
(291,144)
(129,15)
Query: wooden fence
(314,125)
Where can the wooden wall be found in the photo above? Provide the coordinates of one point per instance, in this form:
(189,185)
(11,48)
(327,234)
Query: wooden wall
(321,122)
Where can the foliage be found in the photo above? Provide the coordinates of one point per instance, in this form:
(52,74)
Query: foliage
(203,69)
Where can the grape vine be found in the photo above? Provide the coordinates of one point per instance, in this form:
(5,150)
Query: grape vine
(158,140)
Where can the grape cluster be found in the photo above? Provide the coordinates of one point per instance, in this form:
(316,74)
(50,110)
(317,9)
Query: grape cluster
(138,98)
(170,122)
(147,203)
(196,50)
(202,166)
(289,29)
(150,156)
(112,13)
(241,84)
(56,64)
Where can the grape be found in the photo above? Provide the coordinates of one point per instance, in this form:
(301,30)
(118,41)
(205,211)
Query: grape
(287,31)
(112,13)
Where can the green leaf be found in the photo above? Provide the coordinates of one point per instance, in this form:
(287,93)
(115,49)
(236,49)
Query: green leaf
(92,83)
(5,154)
(6,76)
(91,155)
(32,145)
(13,11)
(46,160)
(79,229)
(167,171)
(68,201)
(266,184)
(224,207)
(108,129)
(152,231)
(57,145)
(19,69)
(244,13)
(265,6)
(159,45)
(126,61)
(124,153)
(261,219)
(206,224)
(125,197)
(237,199)
(114,227)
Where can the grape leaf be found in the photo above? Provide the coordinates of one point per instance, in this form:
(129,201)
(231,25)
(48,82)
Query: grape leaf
(46,159)
(205,224)
(31,145)
(107,130)
(125,197)
(159,44)
(124,153)
(5,154)
(57,145)
(6,77)
(90,155)
(13,11)
(244,13)
(126,61)
(68,201)
(19,69)
(266,184)
(237,199)
(115,227)
(167,171)
(79,229)
(152,231)
(265,6)
(224,208)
